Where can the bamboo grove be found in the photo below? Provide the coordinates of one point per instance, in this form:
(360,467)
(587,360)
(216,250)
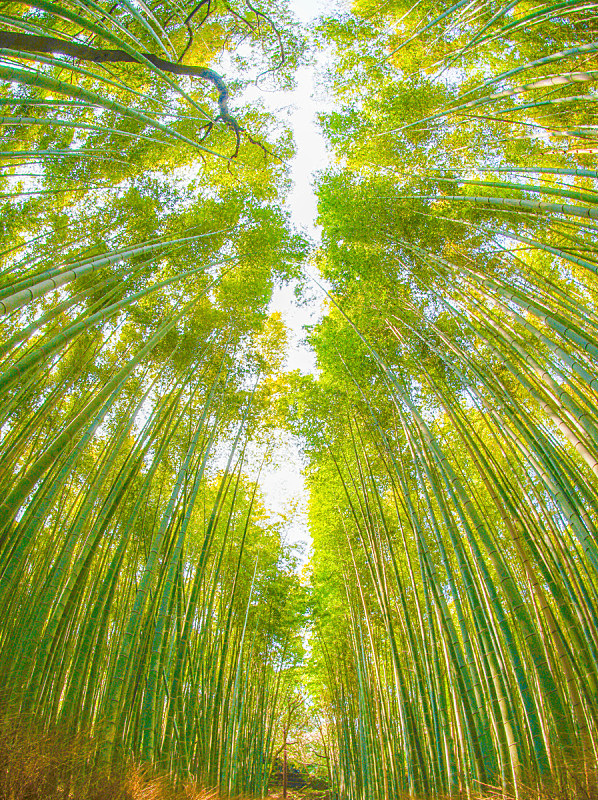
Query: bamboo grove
(146,595)
(144,589)
(454,471)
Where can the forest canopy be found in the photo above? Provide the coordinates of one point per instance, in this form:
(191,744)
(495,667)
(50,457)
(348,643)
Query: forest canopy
(442,637)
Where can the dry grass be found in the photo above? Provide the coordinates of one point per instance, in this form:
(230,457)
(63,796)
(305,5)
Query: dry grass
(37,765)
(41,765)
(578,784)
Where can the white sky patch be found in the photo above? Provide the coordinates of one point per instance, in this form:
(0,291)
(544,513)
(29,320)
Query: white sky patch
(310,158)
(285,496)
(282,482)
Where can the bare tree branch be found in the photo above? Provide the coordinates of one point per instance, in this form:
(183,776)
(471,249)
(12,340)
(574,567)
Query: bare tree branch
(188,25)
(83,52)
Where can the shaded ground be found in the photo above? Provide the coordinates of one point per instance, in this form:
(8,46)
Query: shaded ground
(301,785)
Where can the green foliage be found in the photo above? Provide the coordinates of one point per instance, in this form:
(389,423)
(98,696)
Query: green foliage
(146,595)
(453,467)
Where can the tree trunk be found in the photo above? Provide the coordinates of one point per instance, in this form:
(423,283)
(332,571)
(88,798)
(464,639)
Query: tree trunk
(284,764)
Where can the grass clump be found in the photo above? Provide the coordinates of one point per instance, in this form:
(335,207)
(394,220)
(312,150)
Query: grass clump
(51,765)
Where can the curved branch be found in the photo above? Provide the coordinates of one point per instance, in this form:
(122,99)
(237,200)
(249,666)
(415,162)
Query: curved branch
(190,29)
(268,19)
(48,44)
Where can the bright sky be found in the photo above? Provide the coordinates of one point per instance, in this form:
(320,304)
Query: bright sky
(283,484)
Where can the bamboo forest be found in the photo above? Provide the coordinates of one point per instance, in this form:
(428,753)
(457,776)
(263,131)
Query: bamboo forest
(420,618)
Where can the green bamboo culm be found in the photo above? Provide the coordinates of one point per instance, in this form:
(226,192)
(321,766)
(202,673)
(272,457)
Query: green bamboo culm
(454,473)
(146,596)
(138,565)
